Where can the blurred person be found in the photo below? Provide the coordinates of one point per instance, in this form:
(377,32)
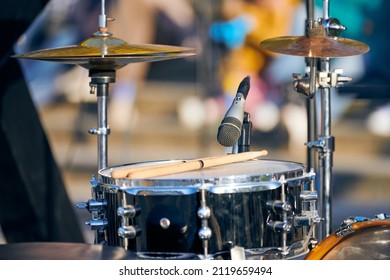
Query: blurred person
(243,25)
(34,205)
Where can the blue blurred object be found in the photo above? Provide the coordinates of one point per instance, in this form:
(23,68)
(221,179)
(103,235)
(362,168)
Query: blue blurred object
(232,33)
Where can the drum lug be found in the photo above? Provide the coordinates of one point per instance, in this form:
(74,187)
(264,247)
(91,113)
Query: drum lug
(129,231)
(97,224)
(97,207)
(307,220)
(93,205)
(204,213)
(128,211)
(278,206)
(205,233)
(278,226)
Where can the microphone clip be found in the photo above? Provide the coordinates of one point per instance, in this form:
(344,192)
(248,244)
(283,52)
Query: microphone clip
(244,142)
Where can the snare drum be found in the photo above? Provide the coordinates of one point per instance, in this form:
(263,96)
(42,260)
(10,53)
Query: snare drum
(367,240)
(169,213)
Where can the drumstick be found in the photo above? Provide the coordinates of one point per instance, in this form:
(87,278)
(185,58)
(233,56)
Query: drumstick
(195,164)
(122,173)
(190,164)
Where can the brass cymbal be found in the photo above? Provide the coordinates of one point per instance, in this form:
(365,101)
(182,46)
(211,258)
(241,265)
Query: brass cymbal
(107,53)
(316,47)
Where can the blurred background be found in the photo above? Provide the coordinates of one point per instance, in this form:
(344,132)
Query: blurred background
(172,109)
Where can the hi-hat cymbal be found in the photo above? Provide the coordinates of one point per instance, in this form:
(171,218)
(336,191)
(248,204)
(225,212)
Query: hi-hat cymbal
(316,47)
(107,53)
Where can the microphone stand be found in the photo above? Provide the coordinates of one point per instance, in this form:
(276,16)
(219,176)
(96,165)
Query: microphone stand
(244,142)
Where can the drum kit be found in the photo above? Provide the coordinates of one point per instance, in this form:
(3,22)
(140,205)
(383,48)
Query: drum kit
(255,209)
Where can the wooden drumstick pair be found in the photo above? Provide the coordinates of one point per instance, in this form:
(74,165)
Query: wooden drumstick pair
(184,166)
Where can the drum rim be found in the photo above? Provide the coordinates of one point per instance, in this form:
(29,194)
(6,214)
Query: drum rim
(226,184)
(180,160)
(324,247)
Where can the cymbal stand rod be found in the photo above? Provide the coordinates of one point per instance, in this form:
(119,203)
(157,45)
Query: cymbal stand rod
(311,108)
(312,113)
(102,16)
(100,81)
(103,127)
(326,152)
(326,155)
(325,9)
(311,65)
(311,133)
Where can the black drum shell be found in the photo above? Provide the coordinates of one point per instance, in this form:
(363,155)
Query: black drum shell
(237,195)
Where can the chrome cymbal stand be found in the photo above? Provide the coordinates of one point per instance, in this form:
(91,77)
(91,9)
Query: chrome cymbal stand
(322,80)
(99,85)
(102,64)
(311,66)
(100,80)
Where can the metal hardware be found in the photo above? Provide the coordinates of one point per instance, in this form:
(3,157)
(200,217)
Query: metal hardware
(278,206)
(97,224)
(129,231)
(165,223)
(128,212)
(93,205)
(279,226)
(204,213)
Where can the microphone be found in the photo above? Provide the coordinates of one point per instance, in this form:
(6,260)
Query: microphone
(230,129)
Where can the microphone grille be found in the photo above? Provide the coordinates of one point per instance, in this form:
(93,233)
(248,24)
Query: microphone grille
(229,131)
